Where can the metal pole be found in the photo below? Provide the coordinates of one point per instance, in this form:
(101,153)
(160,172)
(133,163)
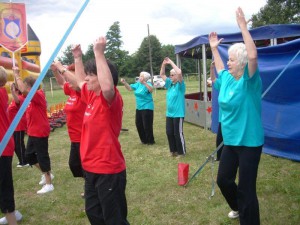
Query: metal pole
(150,55)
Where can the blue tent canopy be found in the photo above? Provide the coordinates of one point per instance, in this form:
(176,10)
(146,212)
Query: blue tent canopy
(282,31)
(281,104)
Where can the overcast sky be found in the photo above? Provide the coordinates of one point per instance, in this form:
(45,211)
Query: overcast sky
(172,21)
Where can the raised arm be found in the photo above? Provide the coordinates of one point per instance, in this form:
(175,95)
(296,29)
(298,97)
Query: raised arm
(19,82)
(68,75)
(103,72)
(214,43)
(14,93)
(163,70)
(249,43)
(126,85)
(79,67)
(59,79)
(150,89)
(176,68)
(212,71)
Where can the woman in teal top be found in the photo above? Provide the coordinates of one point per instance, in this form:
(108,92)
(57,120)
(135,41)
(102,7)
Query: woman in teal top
(175,108)
(144,107)
(239,100)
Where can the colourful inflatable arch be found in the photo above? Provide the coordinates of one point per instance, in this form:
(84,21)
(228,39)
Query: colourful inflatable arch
(27,59)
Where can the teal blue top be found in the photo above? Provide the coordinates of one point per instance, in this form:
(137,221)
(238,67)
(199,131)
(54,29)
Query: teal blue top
(175,98)
(240,108)
(143,97)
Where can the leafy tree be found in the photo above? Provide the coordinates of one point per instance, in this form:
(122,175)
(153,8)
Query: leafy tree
(168,51)
(67,57)
(142,59)
(277,12)
(113,48)
(89,54)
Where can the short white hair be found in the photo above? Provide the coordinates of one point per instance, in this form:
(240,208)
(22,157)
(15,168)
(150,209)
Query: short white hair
(239,49)
(146,75)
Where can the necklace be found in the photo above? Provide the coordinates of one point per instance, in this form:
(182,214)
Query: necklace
(237,77)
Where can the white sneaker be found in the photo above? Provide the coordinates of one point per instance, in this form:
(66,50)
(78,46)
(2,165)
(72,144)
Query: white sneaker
(45,189)
(43,179)
(233,214)
(17,214)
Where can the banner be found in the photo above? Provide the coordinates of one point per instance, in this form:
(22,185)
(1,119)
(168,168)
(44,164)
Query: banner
(13,26)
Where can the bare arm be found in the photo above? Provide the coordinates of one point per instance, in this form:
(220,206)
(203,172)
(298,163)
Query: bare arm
(214,42)
(103,72)
(19,82)
(14,94)
(150,89)
(68,75)
(79,67)
(59,79)
(212,72)
(250,45)
(176,68)
(163,70)
(126,85)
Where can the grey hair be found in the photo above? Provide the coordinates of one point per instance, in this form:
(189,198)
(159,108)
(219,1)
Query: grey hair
(146,75)
(239,49)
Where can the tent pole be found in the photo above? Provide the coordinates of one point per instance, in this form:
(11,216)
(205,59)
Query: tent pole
(204,84)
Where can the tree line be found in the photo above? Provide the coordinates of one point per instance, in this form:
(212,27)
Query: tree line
(274,12)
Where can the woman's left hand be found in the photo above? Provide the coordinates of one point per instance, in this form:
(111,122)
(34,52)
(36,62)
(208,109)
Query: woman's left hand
(240,18)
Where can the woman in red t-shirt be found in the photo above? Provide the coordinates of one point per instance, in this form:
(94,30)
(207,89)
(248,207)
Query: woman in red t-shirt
(20,130)
(101,155)
(74,110)
(7,200)
(38,131)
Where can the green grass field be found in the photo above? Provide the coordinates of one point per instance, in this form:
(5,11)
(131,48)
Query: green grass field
(153,195)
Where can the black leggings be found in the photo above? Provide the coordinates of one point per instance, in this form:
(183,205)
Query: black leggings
(242,196)
(174,130)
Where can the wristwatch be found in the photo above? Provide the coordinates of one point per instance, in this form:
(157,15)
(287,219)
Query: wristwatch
(63,71)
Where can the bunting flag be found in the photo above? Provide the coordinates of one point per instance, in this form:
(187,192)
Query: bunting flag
(13,26)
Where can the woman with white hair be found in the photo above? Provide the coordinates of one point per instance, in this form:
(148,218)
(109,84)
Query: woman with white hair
(175,110)
(144,107)
(239,100)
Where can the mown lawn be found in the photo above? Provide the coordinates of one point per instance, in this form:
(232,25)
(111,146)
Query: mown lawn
(153,195)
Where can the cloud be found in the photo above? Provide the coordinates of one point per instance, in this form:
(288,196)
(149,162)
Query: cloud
(173,22)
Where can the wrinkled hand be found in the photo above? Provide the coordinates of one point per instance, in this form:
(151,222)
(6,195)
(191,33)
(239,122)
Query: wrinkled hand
(16,71)
(76,51)
(12,87)
(213,40)
(240,18)
(167,60)
(57,64)
(123,81)
(99,45)
(53,67)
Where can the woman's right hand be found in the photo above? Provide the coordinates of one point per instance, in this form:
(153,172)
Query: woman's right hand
(213,40)
(76,51)
(123,81)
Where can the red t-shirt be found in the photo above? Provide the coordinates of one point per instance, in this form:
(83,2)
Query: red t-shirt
(36,115)
(100,149)
(13,109)
(74,109)
(4,125)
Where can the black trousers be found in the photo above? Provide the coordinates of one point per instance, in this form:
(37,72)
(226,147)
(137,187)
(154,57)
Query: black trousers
(144,125)
(242,196)
(219,140)
(174,130)
(105,200)
(20,149)
(74,160)
(7,200)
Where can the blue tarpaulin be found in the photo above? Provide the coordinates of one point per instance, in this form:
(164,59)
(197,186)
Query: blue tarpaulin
(281,103)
